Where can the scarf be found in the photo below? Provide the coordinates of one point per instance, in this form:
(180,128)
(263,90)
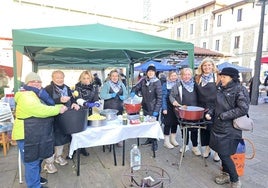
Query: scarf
(42,94)
(205,79)
(150,80)
(189,86)
(170,84)
(115,86)
(61,90)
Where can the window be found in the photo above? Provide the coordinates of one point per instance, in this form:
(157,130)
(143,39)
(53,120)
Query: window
(236,42)
(217,45)
(204,45)
(205,24)
(239,15)
(191,29)
(178,32)
(219,21)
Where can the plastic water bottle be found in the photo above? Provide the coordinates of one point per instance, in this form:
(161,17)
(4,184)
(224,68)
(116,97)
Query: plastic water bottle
(135,157)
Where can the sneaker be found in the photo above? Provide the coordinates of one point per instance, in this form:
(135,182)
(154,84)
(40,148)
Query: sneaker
(186,149)
(206,154)
(61,161)
(149,141)
(196,151)
(237,184)
(216,157)
(43,181)
(50,168)
(222,178)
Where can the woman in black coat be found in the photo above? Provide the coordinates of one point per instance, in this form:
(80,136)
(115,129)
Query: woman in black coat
(232,101)
(150,89)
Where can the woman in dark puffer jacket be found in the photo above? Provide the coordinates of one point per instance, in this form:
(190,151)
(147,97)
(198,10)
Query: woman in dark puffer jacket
(232,102)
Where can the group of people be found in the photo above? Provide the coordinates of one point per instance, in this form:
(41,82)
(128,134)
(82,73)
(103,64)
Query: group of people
(220,93)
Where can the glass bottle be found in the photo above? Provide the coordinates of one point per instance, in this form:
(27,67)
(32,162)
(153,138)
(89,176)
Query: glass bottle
(124,117)
(141,116)
(135,157)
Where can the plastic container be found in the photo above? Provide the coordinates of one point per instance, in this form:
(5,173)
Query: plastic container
(72,121)
(135,157)
(132,105)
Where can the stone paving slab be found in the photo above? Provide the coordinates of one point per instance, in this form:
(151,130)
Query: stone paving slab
(98,169)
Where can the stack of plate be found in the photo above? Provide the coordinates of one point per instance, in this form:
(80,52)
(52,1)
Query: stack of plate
(5,112)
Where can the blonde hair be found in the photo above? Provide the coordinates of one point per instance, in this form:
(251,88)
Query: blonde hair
(200,71)
(86,73)
(185,70)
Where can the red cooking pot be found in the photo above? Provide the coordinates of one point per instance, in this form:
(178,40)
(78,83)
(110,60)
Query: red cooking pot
(132,105)
(192,113)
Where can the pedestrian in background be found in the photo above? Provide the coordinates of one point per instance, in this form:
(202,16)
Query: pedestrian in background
(33,127)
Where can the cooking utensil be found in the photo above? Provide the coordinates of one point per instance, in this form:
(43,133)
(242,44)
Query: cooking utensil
(132,105)
(110,114)
(97,123)
(192,113)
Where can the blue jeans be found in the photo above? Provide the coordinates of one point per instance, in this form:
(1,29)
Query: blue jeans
(32,169)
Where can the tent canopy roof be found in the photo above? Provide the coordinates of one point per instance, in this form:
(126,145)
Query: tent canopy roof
(239,68)
(159,67)
(93,45)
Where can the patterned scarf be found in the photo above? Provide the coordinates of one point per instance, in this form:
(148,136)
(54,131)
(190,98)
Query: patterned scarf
(62,91)
(189,86)
(115,86)
(205,79)
(170,84)
(150,80)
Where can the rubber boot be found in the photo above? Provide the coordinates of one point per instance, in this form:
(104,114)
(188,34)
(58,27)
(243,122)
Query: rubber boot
(173,140)
(167,143)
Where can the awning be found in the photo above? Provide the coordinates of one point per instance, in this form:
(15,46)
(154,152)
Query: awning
(264,59)
(7,70)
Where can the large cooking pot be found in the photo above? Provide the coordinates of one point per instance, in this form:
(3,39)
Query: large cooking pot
(110,114)
(72,121)
(132,105)
(192,113)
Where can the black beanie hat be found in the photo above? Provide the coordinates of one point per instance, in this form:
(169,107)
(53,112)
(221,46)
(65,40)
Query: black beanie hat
(151,67)
(229,71)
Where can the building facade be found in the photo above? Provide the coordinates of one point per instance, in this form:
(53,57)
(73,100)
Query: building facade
(231,29)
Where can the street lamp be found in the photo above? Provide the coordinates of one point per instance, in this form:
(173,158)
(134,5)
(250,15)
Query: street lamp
(256,78)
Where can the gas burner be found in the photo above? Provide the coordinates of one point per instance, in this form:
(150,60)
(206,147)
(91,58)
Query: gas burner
(146,176)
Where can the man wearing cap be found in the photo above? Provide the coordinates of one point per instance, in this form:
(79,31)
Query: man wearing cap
(33,127)
(232,101)
(150,89)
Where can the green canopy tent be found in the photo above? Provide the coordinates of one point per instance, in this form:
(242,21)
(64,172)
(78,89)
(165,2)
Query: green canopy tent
(89,46)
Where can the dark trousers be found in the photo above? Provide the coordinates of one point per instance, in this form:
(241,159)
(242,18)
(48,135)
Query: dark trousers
(194,136)
(205,137)
(170,129)
(229,167)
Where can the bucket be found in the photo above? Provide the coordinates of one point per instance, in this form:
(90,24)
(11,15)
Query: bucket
(240,156)
(72,121)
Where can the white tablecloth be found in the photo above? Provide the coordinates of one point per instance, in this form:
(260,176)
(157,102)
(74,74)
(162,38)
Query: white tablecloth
(112,133)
